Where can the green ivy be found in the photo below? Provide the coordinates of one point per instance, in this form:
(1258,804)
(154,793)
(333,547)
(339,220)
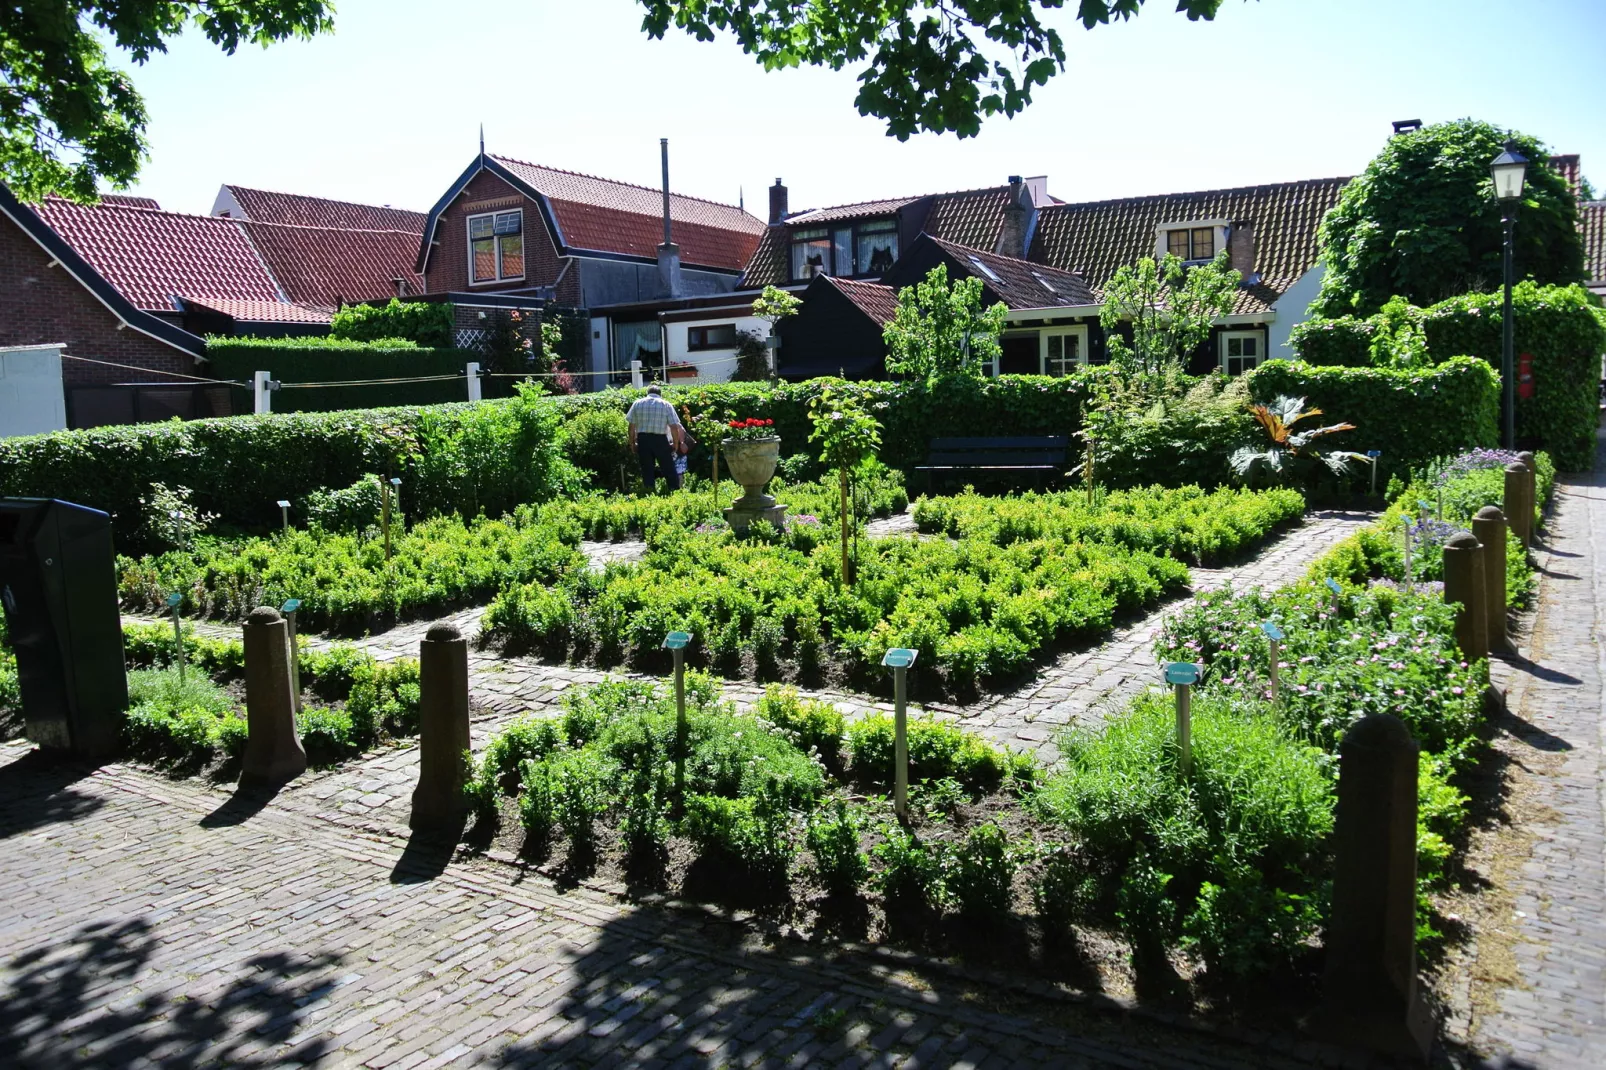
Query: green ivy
(425,322)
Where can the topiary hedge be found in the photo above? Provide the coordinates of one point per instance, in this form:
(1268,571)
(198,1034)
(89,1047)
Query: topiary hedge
(1561,328)
(451,458)
(318,360)
(1411,416)
(426,322)
(1342,342)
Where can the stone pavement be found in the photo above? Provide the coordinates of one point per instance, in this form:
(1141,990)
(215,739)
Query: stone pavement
(160,924)
(1556,1016)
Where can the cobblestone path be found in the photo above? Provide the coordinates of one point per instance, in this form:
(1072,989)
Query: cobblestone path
(159,924)
(1556,1016)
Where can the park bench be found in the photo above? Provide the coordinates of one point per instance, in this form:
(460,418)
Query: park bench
(1034,455)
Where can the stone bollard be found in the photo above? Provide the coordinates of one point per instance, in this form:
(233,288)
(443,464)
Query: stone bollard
(442,729)
(1518,509)
(273,753)
(1532,465)
(1369,991)
(1489,528)
(1463,583)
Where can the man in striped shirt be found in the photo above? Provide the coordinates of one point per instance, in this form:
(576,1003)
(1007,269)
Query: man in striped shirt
(656,430)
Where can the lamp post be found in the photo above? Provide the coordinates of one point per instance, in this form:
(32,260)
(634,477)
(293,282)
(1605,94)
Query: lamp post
(1508,170)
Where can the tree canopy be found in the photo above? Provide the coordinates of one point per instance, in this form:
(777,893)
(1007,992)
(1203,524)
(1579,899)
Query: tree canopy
(1169,309)
(941,331)
(68,121)
(1422,222)
(937,66)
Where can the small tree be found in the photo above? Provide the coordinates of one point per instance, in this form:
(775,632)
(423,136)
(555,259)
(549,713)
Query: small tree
(772,306)
(941,331)
(848,436)
(752,358)
(1170,309)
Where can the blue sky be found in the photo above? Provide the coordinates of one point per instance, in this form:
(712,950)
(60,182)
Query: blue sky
(387,109)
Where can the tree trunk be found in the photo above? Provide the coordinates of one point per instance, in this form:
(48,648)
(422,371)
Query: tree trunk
(847,565)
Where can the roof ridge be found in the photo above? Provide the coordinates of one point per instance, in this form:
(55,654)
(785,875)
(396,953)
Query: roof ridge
(1199,193)
(1032,264)
(413,234)
(897,197)
(53,198)
(617,182)
(318,197)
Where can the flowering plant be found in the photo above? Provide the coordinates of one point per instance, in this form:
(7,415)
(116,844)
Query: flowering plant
(749,430)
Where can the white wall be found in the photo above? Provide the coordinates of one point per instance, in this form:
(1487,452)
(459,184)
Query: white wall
(31,398)
(713,365)
(1291,312)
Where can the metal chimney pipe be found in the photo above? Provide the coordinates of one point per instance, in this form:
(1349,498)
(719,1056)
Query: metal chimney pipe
(663,146)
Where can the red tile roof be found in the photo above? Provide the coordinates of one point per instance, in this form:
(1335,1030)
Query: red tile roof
(972,217)
(875,300)
(151,257)
(1592,221)
(861,210)
(1019,283)
(262,311)
(1095,239)
(615,217)
(127,201)
(263,206)
(321,266)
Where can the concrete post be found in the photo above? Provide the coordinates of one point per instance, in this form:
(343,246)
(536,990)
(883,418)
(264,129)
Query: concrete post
(1519,511)
(1527,458)
(637,380)
(1370,994)
(261,392)
(273,752)
(442,729)
(1489,528)
(1463,583)
(472,371)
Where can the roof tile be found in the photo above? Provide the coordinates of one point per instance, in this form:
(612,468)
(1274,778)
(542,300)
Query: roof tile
(262,311)
(322,266)
(263,206)
(1592,221)
(1020,283)
(874,299)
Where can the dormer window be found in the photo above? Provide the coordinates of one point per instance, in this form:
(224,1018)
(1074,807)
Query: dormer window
(1191,243)
(865,248)
(496,246)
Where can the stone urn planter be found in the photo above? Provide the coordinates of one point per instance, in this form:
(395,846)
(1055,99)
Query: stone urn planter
(752,463)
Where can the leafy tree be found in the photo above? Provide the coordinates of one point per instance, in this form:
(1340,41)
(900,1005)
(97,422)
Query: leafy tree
(937,65)
(1169,309)
(941,331)
(1422,222)
(775,304)
(848,436)
(67,120)
(752,358)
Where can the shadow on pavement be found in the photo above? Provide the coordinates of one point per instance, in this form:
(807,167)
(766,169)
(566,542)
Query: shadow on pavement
(36,790)
(66,1005)
(426,855)
(246,803)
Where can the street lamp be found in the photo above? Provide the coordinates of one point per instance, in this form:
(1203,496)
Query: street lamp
(1508,170)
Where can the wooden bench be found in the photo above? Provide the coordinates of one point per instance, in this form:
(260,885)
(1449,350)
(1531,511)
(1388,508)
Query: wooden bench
(1036,455)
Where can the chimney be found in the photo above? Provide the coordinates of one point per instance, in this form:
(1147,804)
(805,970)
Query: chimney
(1241,249)
(401,285)
(777,203)
(668,252)
(1020,217)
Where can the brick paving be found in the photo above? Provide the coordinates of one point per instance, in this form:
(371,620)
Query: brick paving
(1556,1016)
(151,924)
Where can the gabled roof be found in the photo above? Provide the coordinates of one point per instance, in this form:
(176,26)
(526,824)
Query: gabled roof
(1095,239)
(261,311)
(1592,222)
(323,266)
(972,217)
(152,257)
(874,299)
(1017,283)
(591,216)
(263,206)
(69,259)
(129,201)
(837,213)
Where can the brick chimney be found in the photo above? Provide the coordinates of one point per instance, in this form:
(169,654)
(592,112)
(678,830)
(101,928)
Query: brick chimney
(777,203)
(1020,216)
(1241,249)
(668,252)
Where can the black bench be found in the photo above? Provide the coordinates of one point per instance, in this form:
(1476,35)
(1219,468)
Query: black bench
(1037,455)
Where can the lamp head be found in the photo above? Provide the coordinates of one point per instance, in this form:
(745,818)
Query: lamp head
(1508,171)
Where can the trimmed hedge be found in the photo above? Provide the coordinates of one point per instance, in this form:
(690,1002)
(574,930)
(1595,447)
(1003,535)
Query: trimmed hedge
(425,322)
(238,358)
(458,458)
(1561,327)
(1412,416)
(1342,342)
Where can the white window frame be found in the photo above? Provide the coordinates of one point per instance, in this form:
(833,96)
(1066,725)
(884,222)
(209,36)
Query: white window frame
(1259,334)
(1222,228)
(1079,332)
(468,237)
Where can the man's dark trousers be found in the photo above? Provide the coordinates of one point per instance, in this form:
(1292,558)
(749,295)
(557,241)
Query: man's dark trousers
(654,452)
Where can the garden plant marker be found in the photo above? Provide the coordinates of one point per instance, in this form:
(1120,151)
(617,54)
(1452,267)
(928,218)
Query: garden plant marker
(1182,675)
(1274,645)
(898,659)
(174,600)
(675,643)
(284,514)
(1373,455)
(289,610)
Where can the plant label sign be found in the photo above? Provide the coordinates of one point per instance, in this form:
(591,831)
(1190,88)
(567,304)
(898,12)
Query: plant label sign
(1182,673)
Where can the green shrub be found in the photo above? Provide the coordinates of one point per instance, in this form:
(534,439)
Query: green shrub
(580,794)
(428,323)
(840,864)
(180,721)
(753,832)
(980,872)
(1151,839)
(327,735)
(597,441)
(589,710)
(531,616)
(936,750)
(538,807)
(333,671)
(646,824)
(231,735)
(529,737)
(384,700)
(169,690)
(353,509)
(1062,890)
(814,725)
(1344,341)
(911,870)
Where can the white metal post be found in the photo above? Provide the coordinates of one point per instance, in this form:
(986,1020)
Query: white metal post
(472,370)
(636,378)
(261,392)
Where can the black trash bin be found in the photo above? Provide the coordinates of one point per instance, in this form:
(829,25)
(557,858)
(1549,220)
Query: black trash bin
(58,583)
